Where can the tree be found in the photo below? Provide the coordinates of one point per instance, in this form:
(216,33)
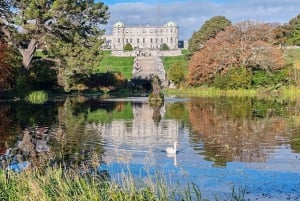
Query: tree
(246,44)
(177,72)
(66,29)
(289,34)
(164,47)
(128,47)
(209,30)
(294,31)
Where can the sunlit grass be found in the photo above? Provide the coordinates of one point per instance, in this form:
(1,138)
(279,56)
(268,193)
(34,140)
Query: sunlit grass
(210,92)
(111,63)
(284,93)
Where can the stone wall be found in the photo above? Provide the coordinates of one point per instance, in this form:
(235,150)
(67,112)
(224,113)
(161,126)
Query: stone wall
(149,52)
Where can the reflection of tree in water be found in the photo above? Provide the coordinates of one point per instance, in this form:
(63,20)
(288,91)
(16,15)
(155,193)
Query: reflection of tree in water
(231,132)
(73,144)
(7,128)
(70,143)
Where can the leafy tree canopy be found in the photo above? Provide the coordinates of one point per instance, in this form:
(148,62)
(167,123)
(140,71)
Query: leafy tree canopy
(68,30)
(209,30)
(128,47)
(177,72)
(246,44)
(294,31)
(289,34)
(164,47)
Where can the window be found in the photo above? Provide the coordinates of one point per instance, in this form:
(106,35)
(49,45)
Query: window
(143,40)
(119,40)
(130,40)
(161,40)
(151,40)
(138,40)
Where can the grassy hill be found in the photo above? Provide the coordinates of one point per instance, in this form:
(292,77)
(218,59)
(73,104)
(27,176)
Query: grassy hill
(116,64)
(124,64)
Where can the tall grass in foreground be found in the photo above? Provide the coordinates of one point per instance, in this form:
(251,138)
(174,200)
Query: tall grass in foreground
(54,184)
(57,185)
(37,97)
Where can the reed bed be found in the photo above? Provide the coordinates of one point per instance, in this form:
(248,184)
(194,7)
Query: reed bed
(55,184)
(210,92)
(290,93)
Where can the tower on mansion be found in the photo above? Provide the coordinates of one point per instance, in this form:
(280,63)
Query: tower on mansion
(142,37)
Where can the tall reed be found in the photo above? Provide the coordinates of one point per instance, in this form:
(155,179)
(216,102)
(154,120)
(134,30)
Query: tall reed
(54,184)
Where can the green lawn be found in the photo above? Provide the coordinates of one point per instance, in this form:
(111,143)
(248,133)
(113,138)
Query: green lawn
(169,61)
(124,64)
(116,64)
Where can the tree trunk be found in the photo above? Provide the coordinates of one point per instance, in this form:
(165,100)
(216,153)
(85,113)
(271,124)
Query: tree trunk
(28,53)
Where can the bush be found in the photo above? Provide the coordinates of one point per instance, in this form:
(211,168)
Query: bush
(164,47)
(234,78)
(37,97)
(262,78)
(128,47)
(177,73)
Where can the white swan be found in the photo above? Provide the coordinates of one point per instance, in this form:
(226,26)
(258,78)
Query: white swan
(172,150)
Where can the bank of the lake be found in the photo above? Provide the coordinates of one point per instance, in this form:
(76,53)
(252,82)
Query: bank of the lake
(286,93)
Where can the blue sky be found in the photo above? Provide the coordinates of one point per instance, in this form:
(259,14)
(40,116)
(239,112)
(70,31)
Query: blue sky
(190,15)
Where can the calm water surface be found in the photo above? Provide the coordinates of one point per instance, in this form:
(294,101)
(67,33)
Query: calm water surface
(222,143)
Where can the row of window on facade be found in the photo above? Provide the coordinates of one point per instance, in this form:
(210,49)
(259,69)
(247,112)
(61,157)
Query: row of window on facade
(144,40)
(138,31)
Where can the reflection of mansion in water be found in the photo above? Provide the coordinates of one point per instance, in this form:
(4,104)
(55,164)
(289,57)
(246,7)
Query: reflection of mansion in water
(143,37)
(142,130)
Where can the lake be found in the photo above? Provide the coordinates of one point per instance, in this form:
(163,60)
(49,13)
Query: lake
(250,145)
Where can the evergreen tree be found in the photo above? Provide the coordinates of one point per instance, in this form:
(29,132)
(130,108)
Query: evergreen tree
(68,31)
(209,30)
(294,31)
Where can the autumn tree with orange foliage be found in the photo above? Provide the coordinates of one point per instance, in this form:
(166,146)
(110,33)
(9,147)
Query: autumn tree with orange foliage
(246,44)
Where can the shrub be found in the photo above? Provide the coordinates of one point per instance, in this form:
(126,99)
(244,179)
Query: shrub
(128,47)
(37,97)
(164,47)
(234,78)
(276,78)
(177,73)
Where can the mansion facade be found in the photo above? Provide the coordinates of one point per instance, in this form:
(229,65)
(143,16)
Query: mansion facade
(149,38)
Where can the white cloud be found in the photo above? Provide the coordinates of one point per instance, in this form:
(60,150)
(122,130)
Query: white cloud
(189,15)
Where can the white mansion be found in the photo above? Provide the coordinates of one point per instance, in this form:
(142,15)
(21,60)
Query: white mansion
(148,38)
